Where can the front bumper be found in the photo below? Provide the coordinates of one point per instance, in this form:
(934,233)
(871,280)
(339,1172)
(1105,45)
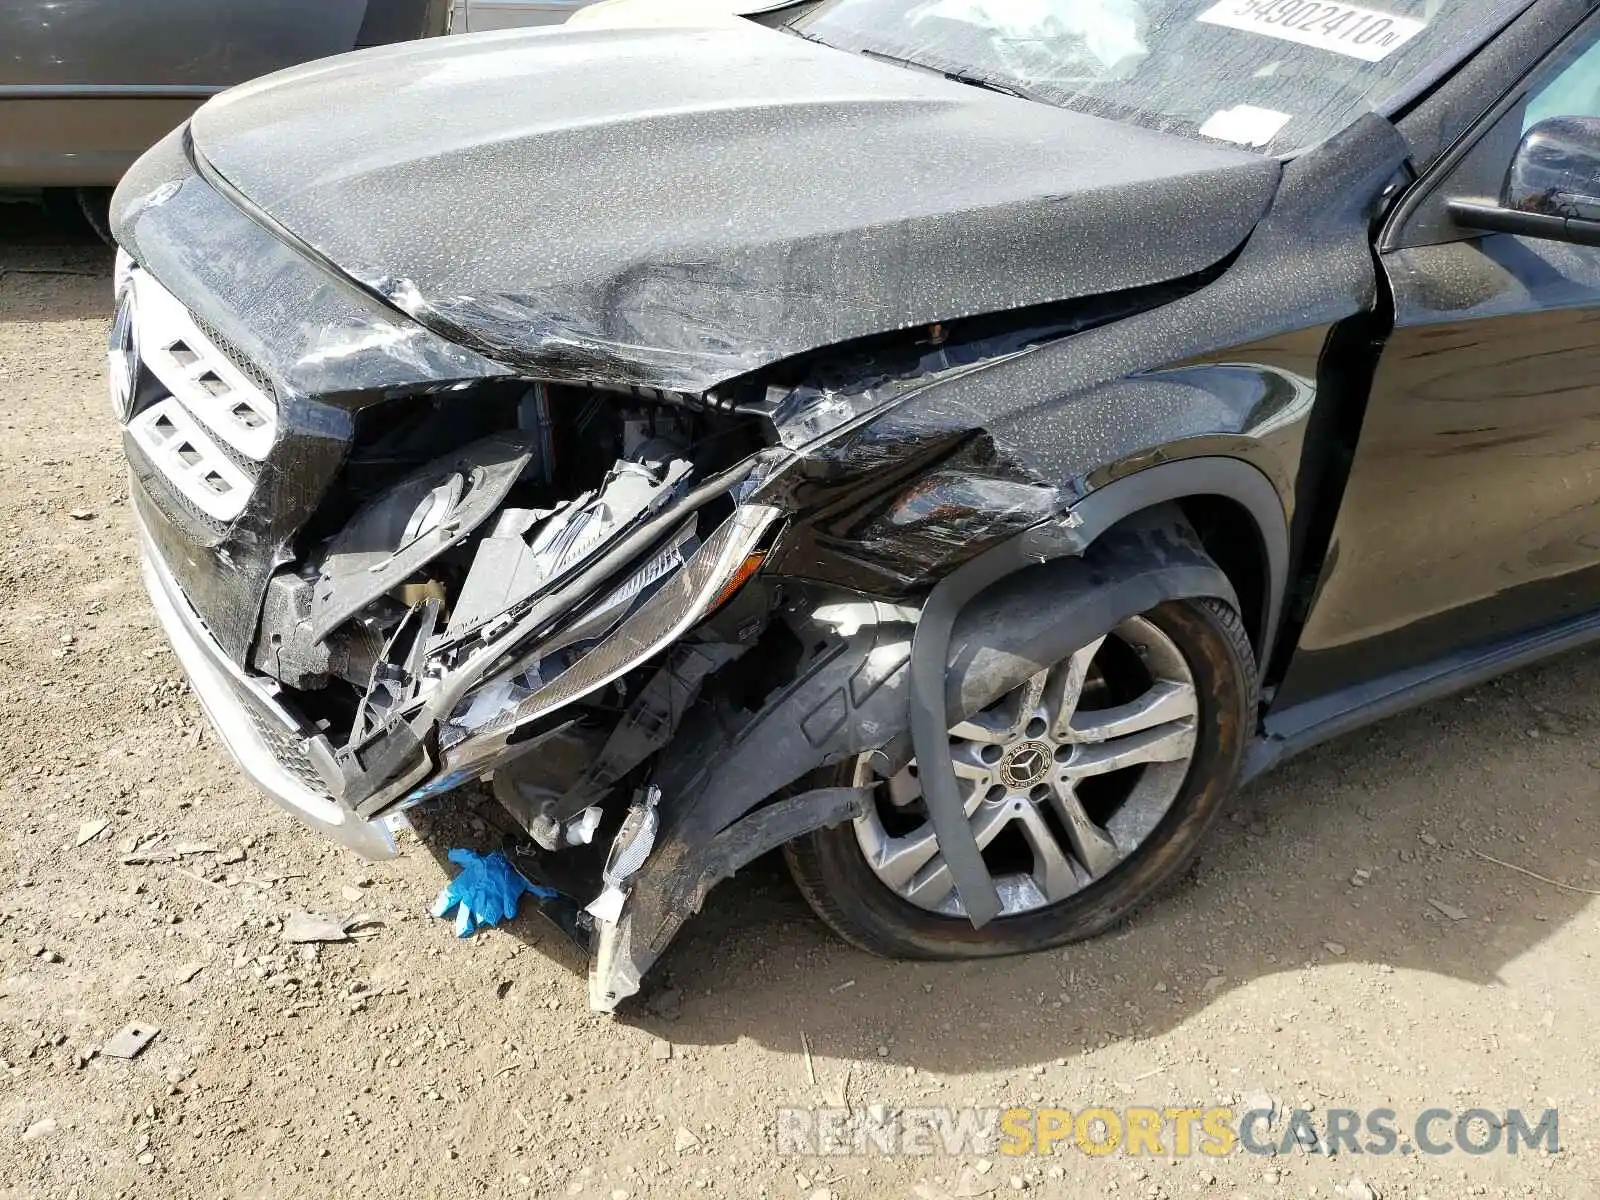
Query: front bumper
(263,737)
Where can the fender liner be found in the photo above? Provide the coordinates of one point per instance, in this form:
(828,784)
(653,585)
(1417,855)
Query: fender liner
(855,697)
(1211,475)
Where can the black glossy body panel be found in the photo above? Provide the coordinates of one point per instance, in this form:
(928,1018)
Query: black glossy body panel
(1469,517)
(961,461)
(1471,511)
(676,208)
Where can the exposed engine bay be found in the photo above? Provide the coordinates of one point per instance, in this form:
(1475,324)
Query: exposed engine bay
(476,572)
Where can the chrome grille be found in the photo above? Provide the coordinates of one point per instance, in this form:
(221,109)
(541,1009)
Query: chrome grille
(211,417)
(196,467)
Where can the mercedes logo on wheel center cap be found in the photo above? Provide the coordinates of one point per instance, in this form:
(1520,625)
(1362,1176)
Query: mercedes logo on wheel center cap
(1026,764)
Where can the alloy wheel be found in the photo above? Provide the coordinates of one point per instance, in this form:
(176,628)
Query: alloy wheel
(1062,779)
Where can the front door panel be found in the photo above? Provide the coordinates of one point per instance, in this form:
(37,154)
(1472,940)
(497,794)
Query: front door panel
(1472,510)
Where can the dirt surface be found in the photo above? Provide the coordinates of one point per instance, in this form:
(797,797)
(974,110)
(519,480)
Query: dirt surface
(1341,945)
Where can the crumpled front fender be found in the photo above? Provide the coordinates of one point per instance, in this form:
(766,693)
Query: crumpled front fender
(720,774)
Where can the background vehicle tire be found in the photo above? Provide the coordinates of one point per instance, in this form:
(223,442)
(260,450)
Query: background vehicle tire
(95,204)
(1182,666)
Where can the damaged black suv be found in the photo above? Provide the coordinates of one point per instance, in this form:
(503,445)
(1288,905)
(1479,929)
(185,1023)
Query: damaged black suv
(956,442)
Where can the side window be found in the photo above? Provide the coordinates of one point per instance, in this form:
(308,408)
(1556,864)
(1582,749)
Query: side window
(1573,92)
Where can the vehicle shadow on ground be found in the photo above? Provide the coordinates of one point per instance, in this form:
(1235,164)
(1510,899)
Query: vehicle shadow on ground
(1411,802)
(44,263)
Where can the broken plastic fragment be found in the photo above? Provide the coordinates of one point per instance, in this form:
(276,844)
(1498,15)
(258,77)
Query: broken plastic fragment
(629,849)
(485,893)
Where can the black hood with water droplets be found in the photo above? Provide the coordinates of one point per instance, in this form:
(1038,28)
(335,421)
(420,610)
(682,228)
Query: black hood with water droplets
(678,207)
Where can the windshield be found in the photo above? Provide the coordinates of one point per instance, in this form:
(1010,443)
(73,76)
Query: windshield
(1269,74)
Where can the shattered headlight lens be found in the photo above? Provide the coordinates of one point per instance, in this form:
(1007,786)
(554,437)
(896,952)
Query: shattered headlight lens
(676,606)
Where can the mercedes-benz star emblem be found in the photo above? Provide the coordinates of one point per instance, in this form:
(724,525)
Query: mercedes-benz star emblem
(1027,764)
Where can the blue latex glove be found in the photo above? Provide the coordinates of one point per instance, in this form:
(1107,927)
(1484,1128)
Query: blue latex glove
(485,893)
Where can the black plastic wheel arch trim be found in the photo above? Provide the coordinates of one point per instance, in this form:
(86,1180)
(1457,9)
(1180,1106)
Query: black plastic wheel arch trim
(930,737)
(724,769)
(1210,475)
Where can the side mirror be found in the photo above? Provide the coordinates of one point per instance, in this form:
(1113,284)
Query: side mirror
(1552,189)
(1556,170)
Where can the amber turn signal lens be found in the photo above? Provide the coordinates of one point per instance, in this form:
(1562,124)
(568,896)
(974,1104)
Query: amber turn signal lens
(738,579)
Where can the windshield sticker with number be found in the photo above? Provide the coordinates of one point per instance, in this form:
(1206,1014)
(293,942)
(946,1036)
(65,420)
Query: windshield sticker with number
(1341,28)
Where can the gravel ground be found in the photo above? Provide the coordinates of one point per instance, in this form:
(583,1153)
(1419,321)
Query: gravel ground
(1341,945)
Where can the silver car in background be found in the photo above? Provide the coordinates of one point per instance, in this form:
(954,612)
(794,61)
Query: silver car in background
(86,86)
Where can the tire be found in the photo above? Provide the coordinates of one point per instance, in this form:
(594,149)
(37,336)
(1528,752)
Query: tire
(95,204)
(832,871)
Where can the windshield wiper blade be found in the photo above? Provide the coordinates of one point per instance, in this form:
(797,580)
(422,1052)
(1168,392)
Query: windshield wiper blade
(988,85)
(977,81)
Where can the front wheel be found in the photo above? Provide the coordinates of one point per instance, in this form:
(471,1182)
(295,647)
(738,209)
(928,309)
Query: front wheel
(1087,788)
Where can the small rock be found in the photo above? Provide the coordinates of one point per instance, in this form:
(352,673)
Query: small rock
(1256,829)
(81,514)
(351,894)
(130,1040)
(313,927)
(41,1128)
(1215,982)
(1359,1189)
(89,830)
(684,1140)
(983,1166)
(1018,1183)
(619,1194)
(145,1159)
(883,1052)
(188,971)
(821,1194)
(50,956)
(661,1049)
(1333,947)
(1449,910)
(1427,839)
(1262,1102)
(233,854)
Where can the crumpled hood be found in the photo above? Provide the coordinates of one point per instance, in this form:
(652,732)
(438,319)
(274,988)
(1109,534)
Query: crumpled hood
(677,207)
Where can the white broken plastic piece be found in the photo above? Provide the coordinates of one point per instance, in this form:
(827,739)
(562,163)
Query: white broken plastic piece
(580,830)
(130,1040)
(628,852)
(607,906)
